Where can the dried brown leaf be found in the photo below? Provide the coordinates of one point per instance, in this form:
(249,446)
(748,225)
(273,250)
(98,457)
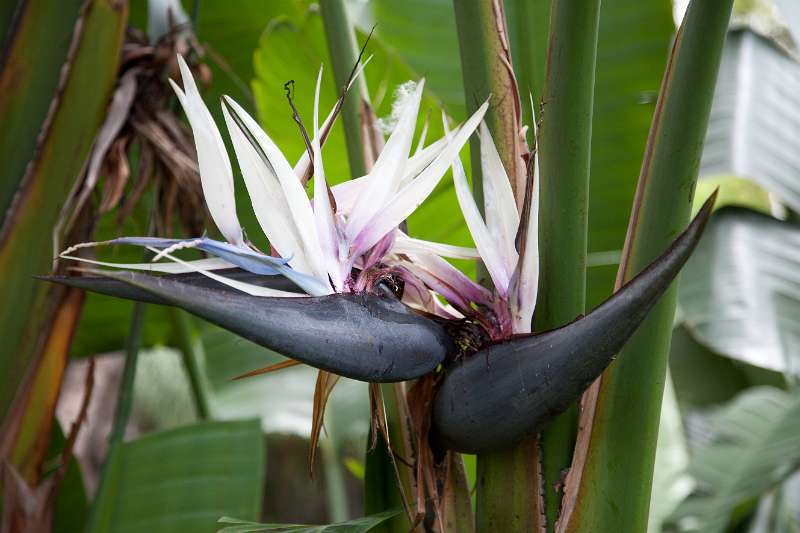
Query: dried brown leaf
(271,368)
(322,391)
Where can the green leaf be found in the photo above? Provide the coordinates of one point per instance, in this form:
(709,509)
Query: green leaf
(632,51)
(757,445)
(740,292)
(670,484)
(407,35)
(358,525)
(753,127)
(69,513)
(614,479)
(35,48)
(702,378)
(230,36)
(25,238)
(183,479)
(565,151)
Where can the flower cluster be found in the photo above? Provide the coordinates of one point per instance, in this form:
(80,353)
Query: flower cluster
(346,236)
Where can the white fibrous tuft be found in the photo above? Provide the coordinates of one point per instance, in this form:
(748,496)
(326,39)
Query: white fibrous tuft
(401,94)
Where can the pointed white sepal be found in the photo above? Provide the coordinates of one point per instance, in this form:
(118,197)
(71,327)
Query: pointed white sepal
(216,175)
(502,218)
(385,177)
(412,195)
(266,195)
(323,211)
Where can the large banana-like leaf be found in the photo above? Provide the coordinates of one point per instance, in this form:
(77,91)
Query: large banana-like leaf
(670,484)
(37,332)
(29,73)
(754,126)
(757,445)
(406,32)
(616,441)
(183,479)
(790,12)
(740,294)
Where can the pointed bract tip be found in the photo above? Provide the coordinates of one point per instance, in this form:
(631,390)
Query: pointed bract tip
(541,375)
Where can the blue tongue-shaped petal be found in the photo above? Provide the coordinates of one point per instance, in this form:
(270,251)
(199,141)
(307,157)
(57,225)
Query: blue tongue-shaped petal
(249,260)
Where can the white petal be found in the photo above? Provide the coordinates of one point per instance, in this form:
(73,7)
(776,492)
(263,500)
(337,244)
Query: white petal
(212,263)
(248,288)
(266,195)
(323,212)
(388,171)
(420,160)
(347,192)
(295,194)
(405,244)
(500,208)
(421,141)
(216,175)
(524,301)
(412,195)
(484,241)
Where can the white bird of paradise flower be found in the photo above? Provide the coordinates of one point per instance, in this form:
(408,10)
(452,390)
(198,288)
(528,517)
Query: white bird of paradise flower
(318,244)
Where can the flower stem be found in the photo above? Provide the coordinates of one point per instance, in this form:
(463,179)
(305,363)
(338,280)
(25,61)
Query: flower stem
(344,54)
(566,134)
(508,492)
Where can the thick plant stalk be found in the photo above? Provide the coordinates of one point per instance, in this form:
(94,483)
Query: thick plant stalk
(612,470)
(63,140)
(52,119)
(188,345)
(486,66)
(528,21)
(565,144)
(508,491)
(344,54)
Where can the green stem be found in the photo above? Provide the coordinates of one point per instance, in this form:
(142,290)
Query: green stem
(508,492)
(125,397)
(335,488)
(565,147)
(188,347)
(344,54)
(527,33)
(485,74)
(124,406)
(382,488)
(611,490)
